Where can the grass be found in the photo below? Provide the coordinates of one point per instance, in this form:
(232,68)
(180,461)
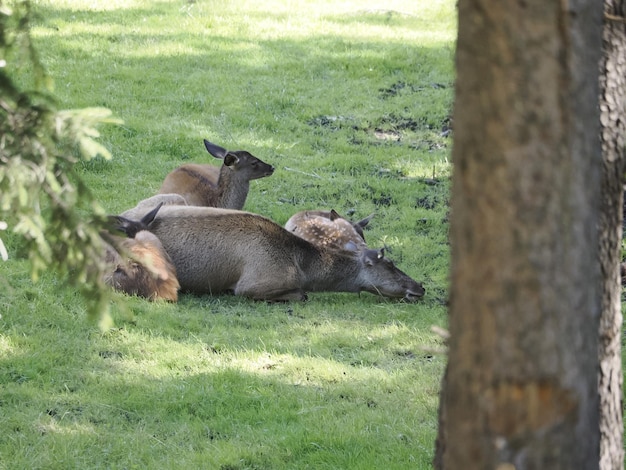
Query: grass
(351,103)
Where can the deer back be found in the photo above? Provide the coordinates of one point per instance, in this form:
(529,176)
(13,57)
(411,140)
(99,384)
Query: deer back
(146,205)
(328,229)
(196,183)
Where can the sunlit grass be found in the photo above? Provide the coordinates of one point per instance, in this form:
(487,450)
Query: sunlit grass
(350,101)
(312,386)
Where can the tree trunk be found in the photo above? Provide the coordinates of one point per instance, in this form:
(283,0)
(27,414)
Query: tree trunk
(613,121)
(521,386)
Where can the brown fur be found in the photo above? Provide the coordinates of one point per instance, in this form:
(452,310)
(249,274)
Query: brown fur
(218,250)
(328,229)
(145,205)
(140,266)
(208,185)
(137,262)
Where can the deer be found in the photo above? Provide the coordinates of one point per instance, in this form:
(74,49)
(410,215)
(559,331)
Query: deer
(136,261)
(145,205)
(208,185)
(328,229)
(221,250)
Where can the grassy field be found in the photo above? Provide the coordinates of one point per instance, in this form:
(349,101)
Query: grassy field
(350,101)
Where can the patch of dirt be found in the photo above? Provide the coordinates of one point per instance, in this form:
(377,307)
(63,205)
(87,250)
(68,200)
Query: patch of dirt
(389,128)
(400,123)
(387,135)
(428,144)
(423,227)
(385,200)
(110,354)
(406,354)
(434,181)
(381,172)
(446,126)
(214,435)
(394,89)
(399,87)
(329,122)
(427,202)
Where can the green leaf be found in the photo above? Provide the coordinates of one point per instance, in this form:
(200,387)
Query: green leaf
(52,182)
(3,251)
(91,149)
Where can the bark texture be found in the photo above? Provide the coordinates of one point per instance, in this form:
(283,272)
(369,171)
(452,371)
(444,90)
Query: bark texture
(521,386)
(613,121)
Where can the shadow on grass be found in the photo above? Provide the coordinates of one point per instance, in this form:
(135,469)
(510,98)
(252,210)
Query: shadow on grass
(338,382)
(278,386)
(269,80)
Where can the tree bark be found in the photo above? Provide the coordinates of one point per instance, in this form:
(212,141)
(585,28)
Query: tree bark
(522,388)
(613,121)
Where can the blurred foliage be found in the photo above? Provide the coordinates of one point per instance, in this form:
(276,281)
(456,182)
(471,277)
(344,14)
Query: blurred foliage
(42,198)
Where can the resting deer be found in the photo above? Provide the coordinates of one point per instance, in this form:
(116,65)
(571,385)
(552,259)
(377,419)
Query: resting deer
(137,262)
(328,229)
(218,250)
(208,185)
(145,205)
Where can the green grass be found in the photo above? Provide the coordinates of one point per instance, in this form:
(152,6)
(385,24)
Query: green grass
(350,104)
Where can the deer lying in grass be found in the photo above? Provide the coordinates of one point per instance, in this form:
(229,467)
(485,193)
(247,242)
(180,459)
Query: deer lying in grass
(208,185)
(146,205)
(329,230)
(138,264)
(218,250)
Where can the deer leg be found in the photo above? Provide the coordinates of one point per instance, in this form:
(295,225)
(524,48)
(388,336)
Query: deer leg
(272,295)
(270,290)
(286,296)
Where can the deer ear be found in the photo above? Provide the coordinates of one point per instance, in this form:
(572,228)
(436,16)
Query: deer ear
(117,223)
(370,257)
(381,253)
(215,150)
(363,222)
(350,246)
(149,217)
(334,215)
(231,159)
(131,227)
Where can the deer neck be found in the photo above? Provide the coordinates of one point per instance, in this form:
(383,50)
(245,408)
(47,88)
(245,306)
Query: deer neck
(233,191)
(332,270)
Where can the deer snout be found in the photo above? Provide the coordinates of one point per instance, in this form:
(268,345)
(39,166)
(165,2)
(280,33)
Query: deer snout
(414,293)
(270,171)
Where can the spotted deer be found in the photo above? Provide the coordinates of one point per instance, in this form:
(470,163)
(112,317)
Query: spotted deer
(328,229)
